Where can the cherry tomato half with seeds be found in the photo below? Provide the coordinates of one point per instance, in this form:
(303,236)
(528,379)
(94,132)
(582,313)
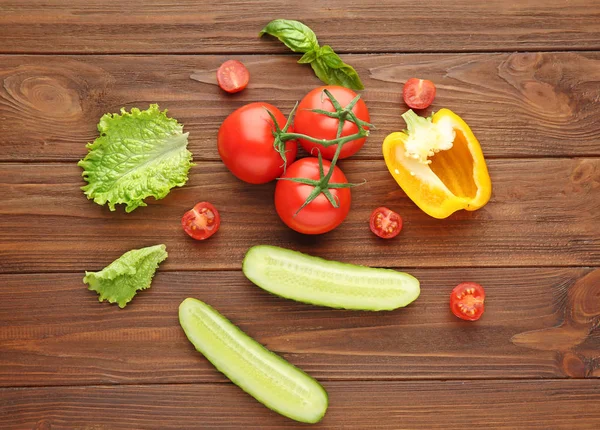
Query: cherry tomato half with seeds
(418,93)
(232,76)
(321,126)
(385,223)
(202,221)
(466,301)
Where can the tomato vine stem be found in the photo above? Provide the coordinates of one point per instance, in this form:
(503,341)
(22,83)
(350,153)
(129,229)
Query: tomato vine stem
(322,185)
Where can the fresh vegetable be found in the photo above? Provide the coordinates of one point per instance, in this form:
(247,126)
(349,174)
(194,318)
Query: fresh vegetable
(466,301)
(418,93)
(438,163)
(323,114)
(326,64)
(302,202)
(385,223)
(313,280)
(311,197)
(248,147)
(202,221)
(267,377)
(120,280)
(138,155)
(232,76)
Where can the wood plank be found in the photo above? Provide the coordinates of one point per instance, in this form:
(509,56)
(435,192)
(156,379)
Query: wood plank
(194,26)
(543,212)
(54,331)
(530,104)
(360,405)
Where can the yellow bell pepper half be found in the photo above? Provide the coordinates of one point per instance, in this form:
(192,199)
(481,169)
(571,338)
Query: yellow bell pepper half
(439,164)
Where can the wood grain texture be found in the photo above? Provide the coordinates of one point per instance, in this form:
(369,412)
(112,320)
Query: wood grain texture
(518,105)
(195,26)
(54,331)
(532,361)
(542,212)
(361,405)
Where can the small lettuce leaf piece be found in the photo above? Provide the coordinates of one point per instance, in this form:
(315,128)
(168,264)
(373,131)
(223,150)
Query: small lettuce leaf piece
(120,280)
(138,154)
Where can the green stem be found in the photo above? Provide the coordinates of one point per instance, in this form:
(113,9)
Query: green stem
(414,121)
(322,185)
(324,142)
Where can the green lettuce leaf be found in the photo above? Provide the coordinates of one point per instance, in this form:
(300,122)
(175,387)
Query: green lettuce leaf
(120,280)
(138,155)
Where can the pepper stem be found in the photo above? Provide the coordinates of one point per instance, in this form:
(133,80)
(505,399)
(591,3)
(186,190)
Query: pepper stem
(413,121)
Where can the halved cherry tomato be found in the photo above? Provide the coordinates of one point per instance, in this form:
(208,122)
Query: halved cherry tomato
(202,221)
(385,223)
(466,301)
(233,76)
(418,93)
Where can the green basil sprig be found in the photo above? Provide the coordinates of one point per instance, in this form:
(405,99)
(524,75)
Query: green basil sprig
(327,65)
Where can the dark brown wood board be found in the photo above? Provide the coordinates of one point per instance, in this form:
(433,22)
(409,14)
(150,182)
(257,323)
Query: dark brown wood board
(196,26)
(361,404)
(519,104)
(46,208)
(58,333)
(524,75)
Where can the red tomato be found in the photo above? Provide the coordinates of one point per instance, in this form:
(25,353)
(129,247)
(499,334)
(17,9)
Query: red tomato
(232,76)
(319,216)
(418,93)
(466,301)
(245,143)
(321,126)
(202,221)
(385,223)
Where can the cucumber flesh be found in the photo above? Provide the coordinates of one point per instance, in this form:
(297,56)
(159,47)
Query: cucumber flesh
(267,377)
(313,280)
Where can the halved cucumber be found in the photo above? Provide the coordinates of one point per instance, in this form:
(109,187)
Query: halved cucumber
(313,280)
(267,377)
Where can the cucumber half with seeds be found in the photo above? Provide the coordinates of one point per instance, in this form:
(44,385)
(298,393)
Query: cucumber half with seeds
(267,377)
(313,280)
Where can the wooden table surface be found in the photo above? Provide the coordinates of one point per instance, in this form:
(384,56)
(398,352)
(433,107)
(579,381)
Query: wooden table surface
(524,75)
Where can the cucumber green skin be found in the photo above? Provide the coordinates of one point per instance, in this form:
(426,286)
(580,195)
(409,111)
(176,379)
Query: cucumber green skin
(307,279)
(250,365)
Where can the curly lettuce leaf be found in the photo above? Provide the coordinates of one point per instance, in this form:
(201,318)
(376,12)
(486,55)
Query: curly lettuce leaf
(138,155)
(120,280)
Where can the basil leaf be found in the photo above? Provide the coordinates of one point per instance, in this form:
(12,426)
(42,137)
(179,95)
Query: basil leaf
(333,71)
(327,65)
(295,35)
(309,57)
(332,59)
